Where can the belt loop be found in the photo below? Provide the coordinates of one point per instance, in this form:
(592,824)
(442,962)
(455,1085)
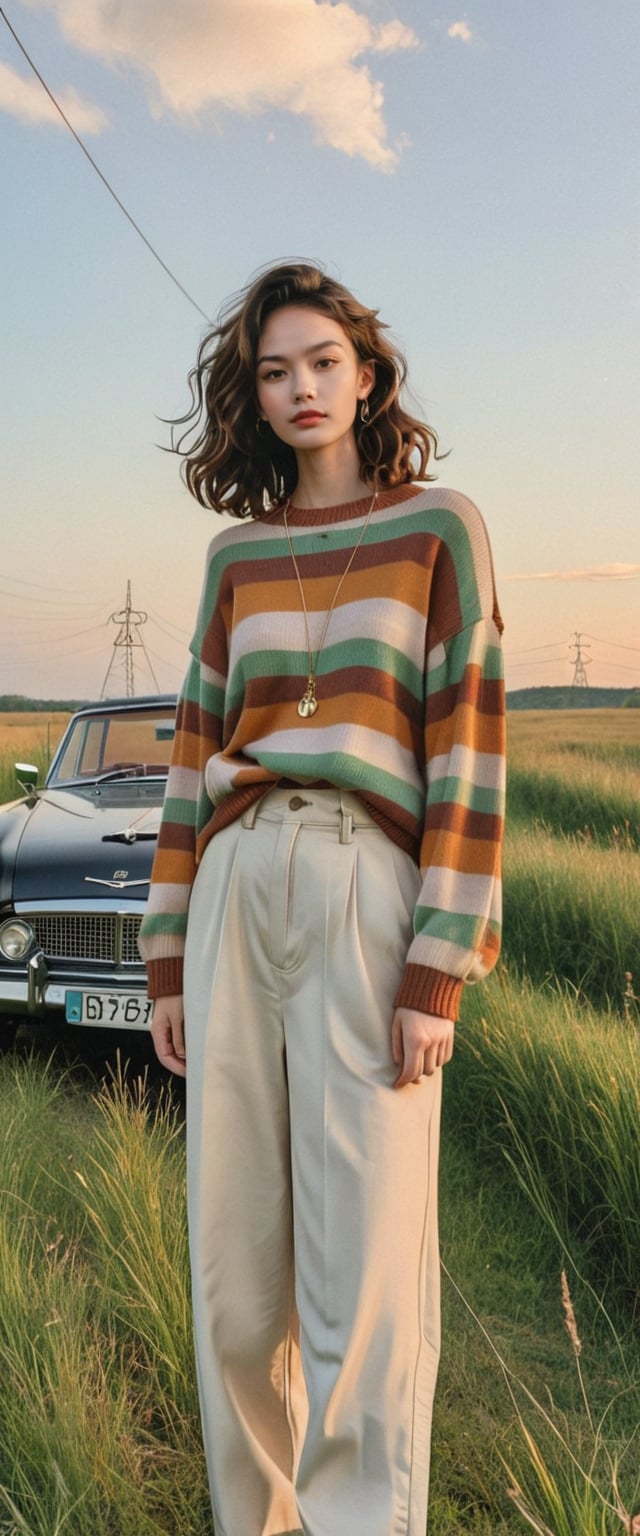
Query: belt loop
(346,823)
(250,815)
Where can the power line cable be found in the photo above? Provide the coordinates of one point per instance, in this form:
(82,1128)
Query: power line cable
(176,639)
(163,659)
(52,602)
(545,661)
(614,643)
(187,633)
(44,586)
(527,649)
(96,168)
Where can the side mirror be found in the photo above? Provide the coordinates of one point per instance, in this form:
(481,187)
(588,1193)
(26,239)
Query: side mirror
(27,775)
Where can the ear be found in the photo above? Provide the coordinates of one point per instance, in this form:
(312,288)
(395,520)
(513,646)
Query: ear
(366,379)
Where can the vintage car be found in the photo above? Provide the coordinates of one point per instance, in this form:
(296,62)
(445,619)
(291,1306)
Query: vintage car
(75,860)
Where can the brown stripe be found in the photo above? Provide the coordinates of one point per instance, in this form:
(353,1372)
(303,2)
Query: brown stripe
(416,550)
(447,816)
(174,834)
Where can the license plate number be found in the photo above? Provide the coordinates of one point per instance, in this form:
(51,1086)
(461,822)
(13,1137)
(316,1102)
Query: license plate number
(125,1010)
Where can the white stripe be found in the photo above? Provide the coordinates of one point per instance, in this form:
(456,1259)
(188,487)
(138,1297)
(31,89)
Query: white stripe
(183,783)
(452,959)
(168,896)
(373,748)
(450,891)
(374,619)
(484,769)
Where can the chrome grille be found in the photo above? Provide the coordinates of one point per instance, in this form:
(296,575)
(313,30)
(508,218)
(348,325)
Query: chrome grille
(110,937)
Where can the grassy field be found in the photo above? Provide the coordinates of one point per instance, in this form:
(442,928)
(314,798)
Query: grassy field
(27,738)
(538,1405)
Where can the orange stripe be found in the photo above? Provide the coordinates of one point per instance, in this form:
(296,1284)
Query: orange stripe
(466,856)
(350,710)
(465,728)
(172,867)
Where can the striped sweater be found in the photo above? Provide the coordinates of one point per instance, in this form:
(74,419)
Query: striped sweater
(410,717)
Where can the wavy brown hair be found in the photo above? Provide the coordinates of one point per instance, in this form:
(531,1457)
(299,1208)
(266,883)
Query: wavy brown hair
(231,465)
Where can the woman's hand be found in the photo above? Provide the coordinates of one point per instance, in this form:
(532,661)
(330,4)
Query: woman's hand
(167,1031)
(420,1042)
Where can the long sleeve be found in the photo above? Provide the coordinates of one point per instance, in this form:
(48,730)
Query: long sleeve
(187,810)
(457,920)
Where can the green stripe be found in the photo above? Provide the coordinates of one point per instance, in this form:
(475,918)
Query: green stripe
(179,810)
(212,699)
(349,773)
(473,797)
(456,927)
(165,924)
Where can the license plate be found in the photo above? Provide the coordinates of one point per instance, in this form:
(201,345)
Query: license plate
(125,1010)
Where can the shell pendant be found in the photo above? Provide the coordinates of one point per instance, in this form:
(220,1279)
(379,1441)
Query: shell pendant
(308,703)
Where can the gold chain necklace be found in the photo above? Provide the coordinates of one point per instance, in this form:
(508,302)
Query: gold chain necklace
(309,703)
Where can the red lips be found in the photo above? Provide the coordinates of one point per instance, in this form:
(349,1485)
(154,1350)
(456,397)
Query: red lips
(309,416)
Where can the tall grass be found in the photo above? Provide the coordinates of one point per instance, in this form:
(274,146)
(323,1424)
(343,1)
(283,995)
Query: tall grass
(578,1469)
(556,1085)
(571,911)
(98,1416)
(594,800)
(576,774)
(28,738)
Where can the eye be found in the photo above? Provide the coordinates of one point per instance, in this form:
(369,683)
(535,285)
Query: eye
(272,373)
(326,362)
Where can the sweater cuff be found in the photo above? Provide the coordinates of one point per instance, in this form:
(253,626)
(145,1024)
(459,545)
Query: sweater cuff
(429,991)
(165,977)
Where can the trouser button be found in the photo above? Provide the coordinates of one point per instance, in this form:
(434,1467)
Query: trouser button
(296,803)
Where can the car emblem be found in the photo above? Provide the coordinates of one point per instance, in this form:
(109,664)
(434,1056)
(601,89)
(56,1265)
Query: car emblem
(115,884)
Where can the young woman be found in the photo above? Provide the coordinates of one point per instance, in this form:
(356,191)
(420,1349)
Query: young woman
(328,868)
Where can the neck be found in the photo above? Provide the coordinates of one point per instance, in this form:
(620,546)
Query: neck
(329,477)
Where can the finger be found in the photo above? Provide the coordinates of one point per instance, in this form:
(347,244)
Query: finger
(179,1048)
(411,1070)
(396,1040)
(430,1060)
(171,1056)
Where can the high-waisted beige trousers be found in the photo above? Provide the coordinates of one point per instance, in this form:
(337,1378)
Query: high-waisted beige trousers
(311,1181)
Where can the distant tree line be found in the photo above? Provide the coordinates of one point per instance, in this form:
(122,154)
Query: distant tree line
(574,698)
(521,698)
(16,703)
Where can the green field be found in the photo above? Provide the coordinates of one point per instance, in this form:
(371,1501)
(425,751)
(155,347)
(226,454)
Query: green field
(538,1404)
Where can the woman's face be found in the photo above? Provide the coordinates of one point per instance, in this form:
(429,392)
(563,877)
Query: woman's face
(309,378)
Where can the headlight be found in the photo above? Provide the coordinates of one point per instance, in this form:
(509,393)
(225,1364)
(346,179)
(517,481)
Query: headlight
(16,938)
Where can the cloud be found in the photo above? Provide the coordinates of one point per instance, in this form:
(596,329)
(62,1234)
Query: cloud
(298,56)
(462,30)
(26,100)
(617,572)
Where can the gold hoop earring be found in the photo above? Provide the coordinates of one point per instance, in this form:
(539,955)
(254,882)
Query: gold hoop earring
(365,413)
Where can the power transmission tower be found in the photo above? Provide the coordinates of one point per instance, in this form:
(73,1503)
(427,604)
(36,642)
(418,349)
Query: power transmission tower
(130,621)
(581,662)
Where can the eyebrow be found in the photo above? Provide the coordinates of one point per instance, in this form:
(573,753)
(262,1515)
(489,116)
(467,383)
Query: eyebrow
(320,346)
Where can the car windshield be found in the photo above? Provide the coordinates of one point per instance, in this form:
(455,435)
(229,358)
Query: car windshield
(114,743)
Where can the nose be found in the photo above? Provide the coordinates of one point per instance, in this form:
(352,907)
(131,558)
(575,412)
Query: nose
(304,389)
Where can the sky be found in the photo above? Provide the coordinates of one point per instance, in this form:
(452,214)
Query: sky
(471,170)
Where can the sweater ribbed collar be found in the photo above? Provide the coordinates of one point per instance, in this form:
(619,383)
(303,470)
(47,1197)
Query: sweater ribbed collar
(318,517)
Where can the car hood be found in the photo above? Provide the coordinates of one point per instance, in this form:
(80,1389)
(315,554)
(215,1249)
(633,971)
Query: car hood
(68,846)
